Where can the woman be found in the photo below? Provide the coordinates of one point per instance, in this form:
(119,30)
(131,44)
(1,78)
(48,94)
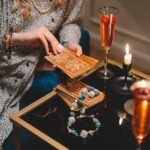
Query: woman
(34,23)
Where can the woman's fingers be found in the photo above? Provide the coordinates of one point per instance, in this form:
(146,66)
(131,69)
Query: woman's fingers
(79,51)
(45,44)
(46,38)
(75,47)
(53,42)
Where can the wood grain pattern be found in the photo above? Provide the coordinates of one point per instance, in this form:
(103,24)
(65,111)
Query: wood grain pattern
(70,64)
(70,90)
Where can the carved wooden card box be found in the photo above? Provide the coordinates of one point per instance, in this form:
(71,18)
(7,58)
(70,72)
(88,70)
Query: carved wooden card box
(70,90)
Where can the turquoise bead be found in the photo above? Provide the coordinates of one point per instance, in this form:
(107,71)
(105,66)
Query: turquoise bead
(96,92)
(69,122)
(89,89)
(72,113)
(97,124)
(74,132)
(81,97)
(80,103)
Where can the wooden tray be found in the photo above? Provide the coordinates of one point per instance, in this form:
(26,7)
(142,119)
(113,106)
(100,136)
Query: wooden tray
(69,91)
(72,65)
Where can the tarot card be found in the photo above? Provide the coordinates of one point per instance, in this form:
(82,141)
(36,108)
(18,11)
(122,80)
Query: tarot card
(70,64)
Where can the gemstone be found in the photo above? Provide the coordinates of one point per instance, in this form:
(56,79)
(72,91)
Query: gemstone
(96,92)
(84,91)
(80,103)
(97,124)
(95,120)
(91,132)
(72,113)
(82,111)
(71,120)
(84,134)
(90,89)
(91,94)
(81,97)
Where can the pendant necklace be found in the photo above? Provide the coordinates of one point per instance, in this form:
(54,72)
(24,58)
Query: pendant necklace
(39,8)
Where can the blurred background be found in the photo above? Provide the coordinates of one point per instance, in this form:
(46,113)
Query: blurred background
(132,27)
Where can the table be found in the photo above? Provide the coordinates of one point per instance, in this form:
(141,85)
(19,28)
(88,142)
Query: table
(114,133)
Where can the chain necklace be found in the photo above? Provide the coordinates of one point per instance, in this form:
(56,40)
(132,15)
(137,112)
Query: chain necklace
(39,8)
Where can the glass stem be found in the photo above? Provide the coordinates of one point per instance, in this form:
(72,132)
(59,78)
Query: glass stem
(139,147)
(105,64)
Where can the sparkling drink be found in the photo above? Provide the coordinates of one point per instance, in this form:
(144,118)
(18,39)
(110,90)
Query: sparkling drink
(141,116)
(107,30)
(141,119)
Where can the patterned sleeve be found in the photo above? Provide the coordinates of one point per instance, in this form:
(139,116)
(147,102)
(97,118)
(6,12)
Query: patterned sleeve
(0,28)
(70,31)
(3,22)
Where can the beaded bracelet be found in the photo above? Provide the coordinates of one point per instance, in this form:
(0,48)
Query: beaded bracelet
(89,92)
(84,133)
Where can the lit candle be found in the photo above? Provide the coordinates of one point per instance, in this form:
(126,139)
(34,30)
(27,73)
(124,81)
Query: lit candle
(127,56)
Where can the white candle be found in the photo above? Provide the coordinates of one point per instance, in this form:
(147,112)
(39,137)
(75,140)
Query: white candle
(127,56)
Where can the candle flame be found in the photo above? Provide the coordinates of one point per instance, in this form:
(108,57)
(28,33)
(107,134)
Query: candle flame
(143,84)
(121,116)
(127,48)
(120,121)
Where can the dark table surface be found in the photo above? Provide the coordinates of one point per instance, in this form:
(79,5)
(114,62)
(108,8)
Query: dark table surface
(110,136)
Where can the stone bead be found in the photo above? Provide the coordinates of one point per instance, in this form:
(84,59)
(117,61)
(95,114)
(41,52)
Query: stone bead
(90,89)
(92,116)
(72,113)
(84,91)
(91,94)
(74,104)
(96,92)
(97,124)
(69,130)
(69,123)
(71,120)
(76,100)
(81,97)
(82,111)
(80,103)
(74,132)
(91,132)
(84,134)
(95,120)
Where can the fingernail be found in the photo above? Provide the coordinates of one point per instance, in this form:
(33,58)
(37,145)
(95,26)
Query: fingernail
(60,47)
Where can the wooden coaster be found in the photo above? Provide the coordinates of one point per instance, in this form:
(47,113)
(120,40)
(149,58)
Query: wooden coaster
(70,90)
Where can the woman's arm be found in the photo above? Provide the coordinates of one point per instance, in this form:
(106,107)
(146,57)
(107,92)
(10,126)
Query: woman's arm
(70,32)
(38,37)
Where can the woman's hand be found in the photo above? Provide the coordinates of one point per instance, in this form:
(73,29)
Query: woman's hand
(76,48)
(38,37)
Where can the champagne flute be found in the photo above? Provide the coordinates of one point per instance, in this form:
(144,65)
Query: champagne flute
(141,110)
(107,31)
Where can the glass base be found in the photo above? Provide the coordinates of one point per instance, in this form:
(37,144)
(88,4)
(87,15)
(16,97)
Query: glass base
(101,74)
(118,85)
